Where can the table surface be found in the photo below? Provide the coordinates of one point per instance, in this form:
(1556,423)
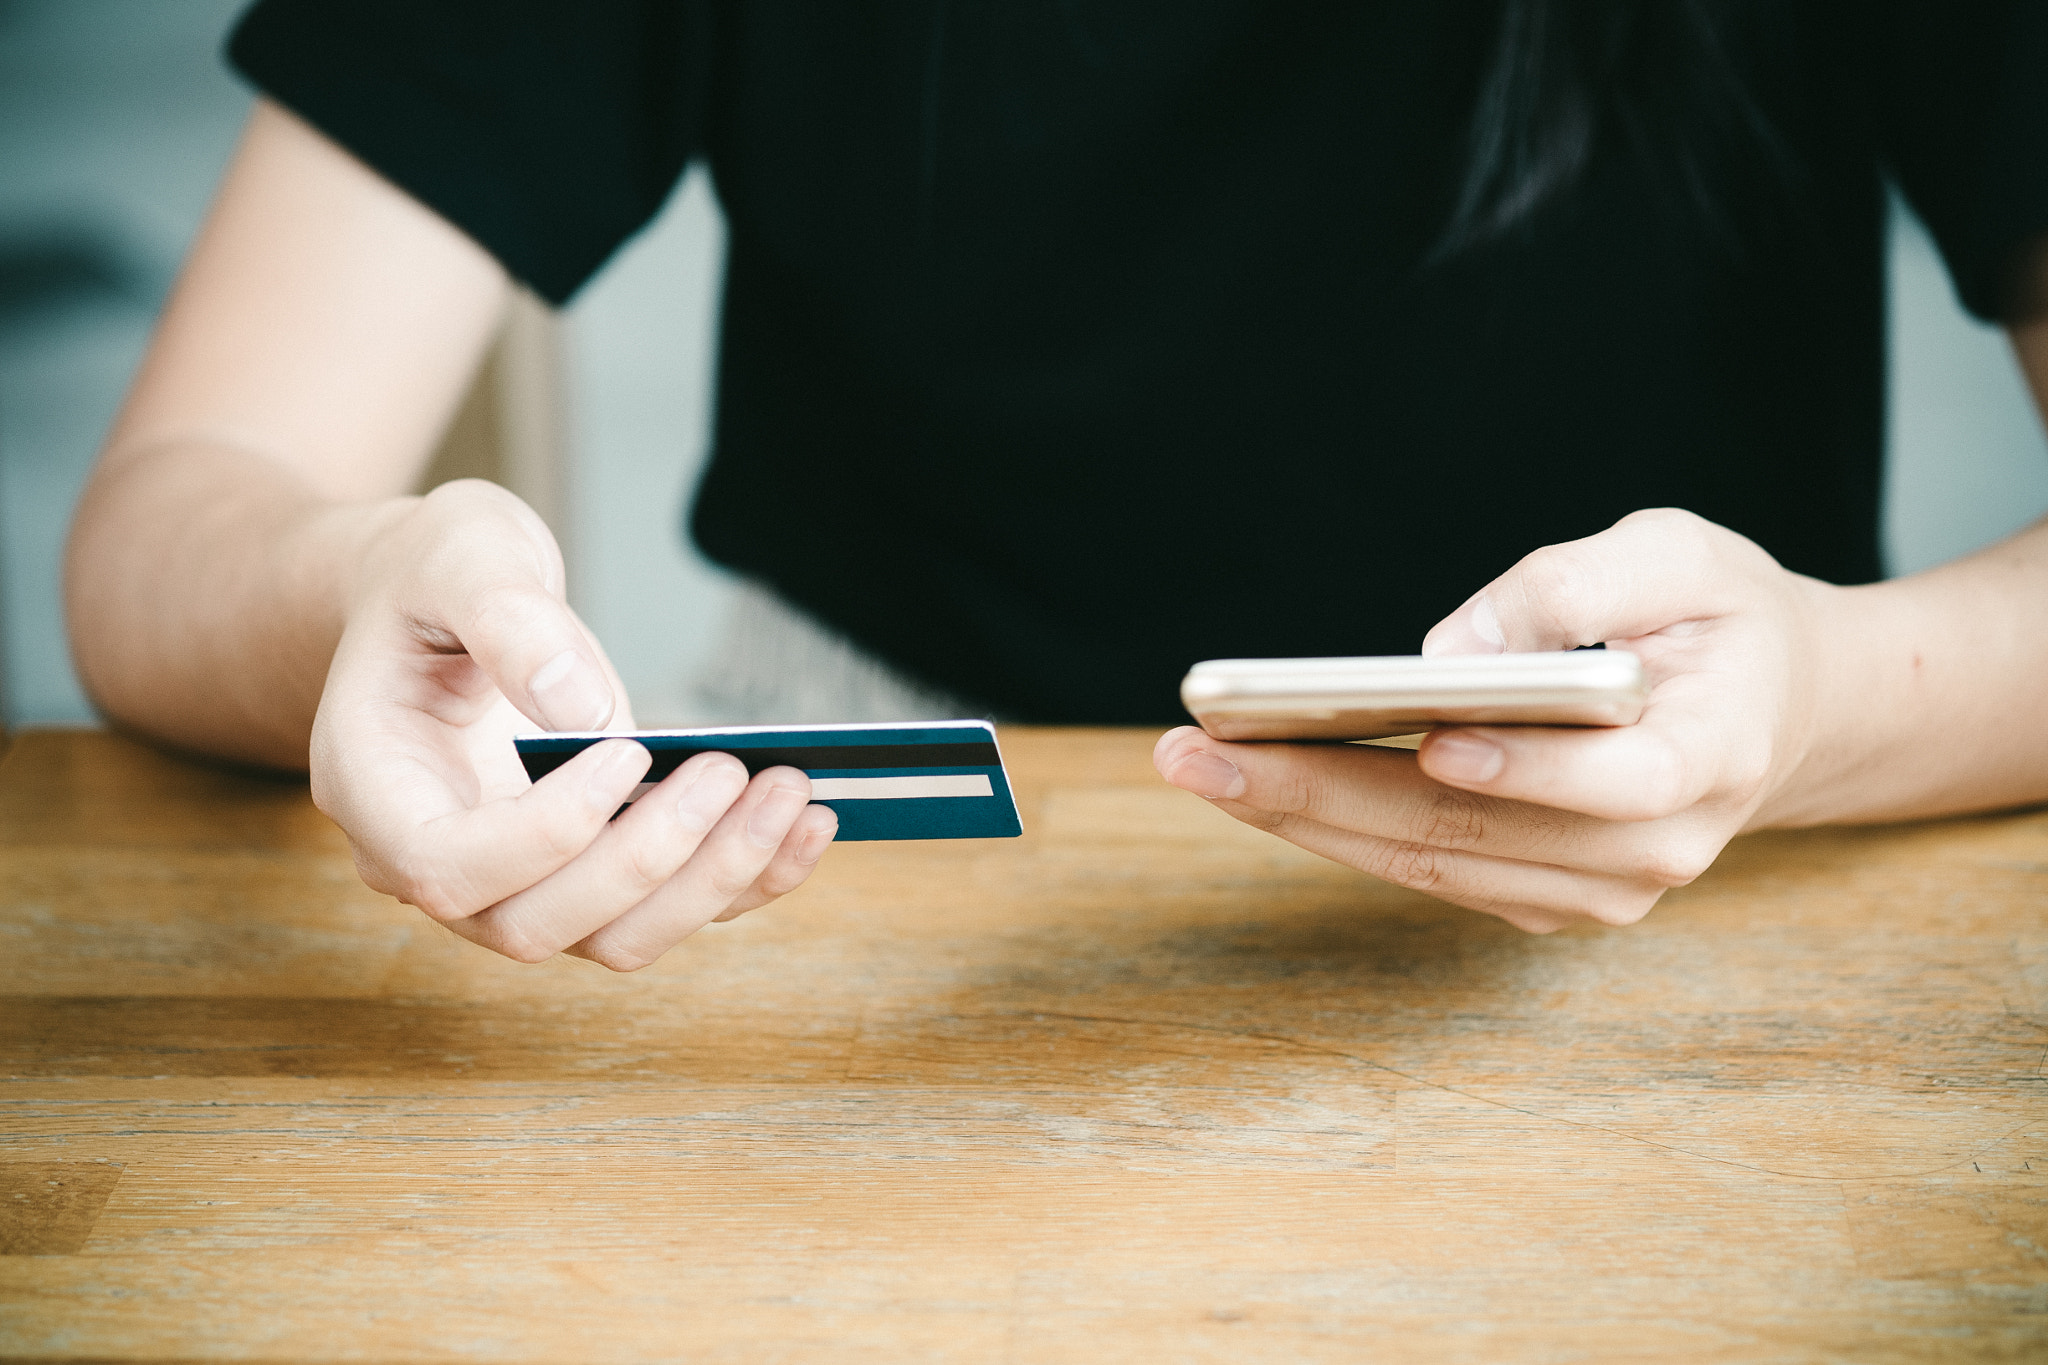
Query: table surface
(1142,1085)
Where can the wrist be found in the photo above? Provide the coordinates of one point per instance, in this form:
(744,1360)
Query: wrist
(1866,700)
(342,553)
(206,590)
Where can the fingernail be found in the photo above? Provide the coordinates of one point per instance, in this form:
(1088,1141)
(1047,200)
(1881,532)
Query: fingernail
(708,793)
(1486,625)
(776,813)
(1207,774)
(1466,758)
(1478,633)
(814,845)
(570,693)
(617,771)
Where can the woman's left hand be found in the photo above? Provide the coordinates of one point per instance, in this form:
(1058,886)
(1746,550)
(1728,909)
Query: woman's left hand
(1546,826)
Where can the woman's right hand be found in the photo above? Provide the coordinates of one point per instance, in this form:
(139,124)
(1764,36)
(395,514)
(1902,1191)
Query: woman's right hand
(458,637)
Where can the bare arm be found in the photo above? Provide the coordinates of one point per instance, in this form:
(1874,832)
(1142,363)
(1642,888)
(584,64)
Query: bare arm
(1939,677)
(322,331)
(246,579)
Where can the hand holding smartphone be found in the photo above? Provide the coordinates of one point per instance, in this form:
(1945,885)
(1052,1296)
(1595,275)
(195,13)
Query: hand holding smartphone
(1372,698)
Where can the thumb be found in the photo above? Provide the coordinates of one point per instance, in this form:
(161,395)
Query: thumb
(539,654)
(489,584)
(1649,571)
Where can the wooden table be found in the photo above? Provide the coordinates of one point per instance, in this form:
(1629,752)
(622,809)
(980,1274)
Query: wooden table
(1144,1085)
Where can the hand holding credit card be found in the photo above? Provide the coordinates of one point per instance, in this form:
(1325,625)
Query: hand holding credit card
(940,779)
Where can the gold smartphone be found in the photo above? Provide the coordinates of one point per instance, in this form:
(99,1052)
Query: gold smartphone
(1372,698)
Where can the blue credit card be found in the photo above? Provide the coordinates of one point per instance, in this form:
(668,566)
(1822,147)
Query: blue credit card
(932,779)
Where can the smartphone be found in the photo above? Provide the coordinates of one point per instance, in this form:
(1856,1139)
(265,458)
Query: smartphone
(1373,698)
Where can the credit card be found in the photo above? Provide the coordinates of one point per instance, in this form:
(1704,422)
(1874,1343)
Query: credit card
(932,779)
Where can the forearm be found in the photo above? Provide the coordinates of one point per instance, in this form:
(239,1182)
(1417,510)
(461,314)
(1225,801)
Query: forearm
(206,588)
(321,333)
(1930,696)
(1932,690)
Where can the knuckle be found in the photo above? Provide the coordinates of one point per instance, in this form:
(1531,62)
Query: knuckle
(1530,919)
(377,879)
(618,959)
(464,508)
(1258,817)
(494,572)
(456,537)
(431,895)
(521,946)
(1415,866)
(1688,536)
(504,609)
(459,494)
(1621,907)
(692,824)
(561,840)
(727,882)
(1669,789)
(1451,819)
(1659,790)
(1675,520)
(1678,861)
(1559,582)
(751,901)
(328,794)
(780,881)
(1747,770)
(1293,790)
(1637,805)
(648,865)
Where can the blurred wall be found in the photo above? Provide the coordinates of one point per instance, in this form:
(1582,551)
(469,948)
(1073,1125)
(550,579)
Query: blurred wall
(116,117)
(1968,462)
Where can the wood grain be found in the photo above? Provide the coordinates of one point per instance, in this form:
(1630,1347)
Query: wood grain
(1143,1085)
(48,1208)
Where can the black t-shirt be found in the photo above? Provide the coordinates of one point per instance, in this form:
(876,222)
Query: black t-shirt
(1066,344)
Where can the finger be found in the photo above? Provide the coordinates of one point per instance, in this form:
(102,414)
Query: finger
(540,656)
(1646,573)
(454,865)
(1387,794)
(492,586)
(794,862)
(1687,751)
(731,859)
(644,847)
(1535,897)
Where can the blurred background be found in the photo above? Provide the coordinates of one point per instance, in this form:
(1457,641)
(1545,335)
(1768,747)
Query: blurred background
(117,116)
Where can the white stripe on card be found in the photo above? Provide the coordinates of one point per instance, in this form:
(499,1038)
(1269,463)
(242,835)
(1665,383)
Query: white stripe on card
(882,788)
(895,788)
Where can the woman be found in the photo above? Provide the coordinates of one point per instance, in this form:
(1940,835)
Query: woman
(1064,345)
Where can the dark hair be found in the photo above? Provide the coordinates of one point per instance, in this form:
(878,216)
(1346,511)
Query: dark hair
(1656,79)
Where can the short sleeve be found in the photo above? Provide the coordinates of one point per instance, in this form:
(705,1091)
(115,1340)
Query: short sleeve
(1963,121)
(548,132)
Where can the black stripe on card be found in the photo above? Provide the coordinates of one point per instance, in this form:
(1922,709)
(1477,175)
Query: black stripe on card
(668,757)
